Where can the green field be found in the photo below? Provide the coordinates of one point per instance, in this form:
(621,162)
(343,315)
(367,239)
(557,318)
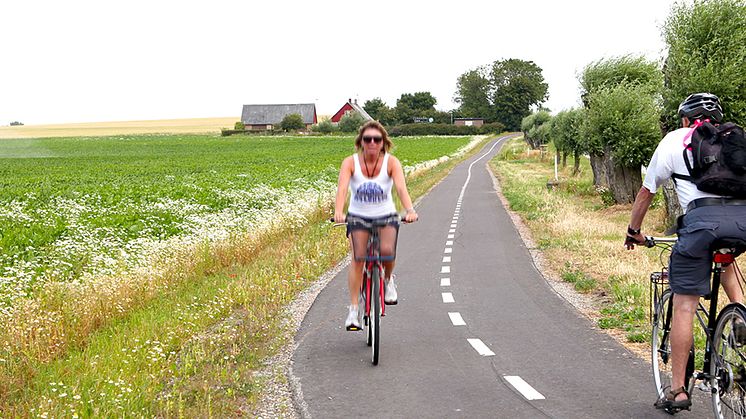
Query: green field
(118,253)
(73,208)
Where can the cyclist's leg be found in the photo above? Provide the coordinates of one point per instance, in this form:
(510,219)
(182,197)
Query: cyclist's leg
(731,285)
(388,236)
(358,247)
(684,308)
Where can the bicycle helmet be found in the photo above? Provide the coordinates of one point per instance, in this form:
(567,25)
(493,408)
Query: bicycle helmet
(700,106)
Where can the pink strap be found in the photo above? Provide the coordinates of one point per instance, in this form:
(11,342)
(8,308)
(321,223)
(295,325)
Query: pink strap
(689,134)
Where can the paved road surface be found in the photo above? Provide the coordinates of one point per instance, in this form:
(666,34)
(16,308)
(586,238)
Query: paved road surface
(477,332)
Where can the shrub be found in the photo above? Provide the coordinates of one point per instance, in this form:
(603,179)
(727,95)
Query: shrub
(351,122)
(239,126)
(324,127)
(444,129)
(292,122)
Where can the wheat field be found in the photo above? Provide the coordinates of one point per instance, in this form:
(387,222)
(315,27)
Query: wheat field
(85,129)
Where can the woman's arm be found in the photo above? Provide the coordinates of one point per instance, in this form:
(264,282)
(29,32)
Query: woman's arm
(397,173)
(345,173)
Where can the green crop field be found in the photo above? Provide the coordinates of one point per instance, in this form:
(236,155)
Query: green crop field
(75,208)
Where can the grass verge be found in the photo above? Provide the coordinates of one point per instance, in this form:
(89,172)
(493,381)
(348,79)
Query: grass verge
(194,348)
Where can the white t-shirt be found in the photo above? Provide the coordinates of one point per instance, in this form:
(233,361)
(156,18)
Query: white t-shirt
(669,159)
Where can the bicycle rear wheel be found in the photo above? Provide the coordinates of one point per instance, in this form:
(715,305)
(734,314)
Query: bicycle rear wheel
(375,315)
(728,363)
(660,350)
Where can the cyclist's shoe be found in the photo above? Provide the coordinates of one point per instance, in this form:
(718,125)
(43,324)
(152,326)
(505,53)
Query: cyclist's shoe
(671,405)
(390,296)
(352,324)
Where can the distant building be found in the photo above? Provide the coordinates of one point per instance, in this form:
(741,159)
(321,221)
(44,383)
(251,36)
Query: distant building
(348,107)
(469,122)
(266,117)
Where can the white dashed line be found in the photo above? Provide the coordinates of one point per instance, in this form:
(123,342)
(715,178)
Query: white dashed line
(523,387)
(480,347)
(453,230)
(445,269)
(449,243)
(445,282)
(447,297)
(448,250)
(450,236)
(456,319)
(453,225)
(446,259)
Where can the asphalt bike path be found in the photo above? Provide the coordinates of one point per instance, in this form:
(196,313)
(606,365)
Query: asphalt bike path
(477,332)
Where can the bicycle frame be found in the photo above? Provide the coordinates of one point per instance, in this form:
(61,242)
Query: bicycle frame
(373,261)
(701,313)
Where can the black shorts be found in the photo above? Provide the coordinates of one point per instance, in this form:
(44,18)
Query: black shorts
(371,220)
(691,257)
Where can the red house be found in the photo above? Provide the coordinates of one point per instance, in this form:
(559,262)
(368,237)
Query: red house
(348,107)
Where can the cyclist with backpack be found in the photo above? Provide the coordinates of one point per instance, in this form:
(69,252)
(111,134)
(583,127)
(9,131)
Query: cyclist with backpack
(711,187)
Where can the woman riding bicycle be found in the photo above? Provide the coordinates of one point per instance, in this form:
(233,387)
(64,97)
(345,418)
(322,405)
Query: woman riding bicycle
(370,174)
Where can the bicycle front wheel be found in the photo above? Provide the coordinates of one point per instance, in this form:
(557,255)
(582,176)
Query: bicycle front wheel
(374,331)
(728,363)
(660,349)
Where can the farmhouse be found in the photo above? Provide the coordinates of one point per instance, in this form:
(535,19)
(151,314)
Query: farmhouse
(266,117)
(348,107)
(476,122)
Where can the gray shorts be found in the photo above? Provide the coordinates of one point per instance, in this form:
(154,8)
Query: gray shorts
(691,257)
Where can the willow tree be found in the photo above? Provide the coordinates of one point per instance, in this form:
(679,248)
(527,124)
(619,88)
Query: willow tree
(706,43)
(566,135)
(625,120)
(598,81)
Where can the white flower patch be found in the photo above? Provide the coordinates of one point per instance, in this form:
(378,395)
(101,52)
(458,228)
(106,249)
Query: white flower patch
(85,252)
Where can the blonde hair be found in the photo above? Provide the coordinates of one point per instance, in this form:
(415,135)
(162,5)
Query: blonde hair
(387,144)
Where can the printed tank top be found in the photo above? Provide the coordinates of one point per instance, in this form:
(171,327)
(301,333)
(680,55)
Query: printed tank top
(371,197)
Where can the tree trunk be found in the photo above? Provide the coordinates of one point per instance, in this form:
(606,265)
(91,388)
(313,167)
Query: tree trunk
(624,181)
(673,206)
(599,170)
(557,157)
(576,166)
(564,159)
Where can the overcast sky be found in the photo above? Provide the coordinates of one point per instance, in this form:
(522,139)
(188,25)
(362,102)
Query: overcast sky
(82,61)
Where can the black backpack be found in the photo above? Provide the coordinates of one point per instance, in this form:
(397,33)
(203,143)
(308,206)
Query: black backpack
(718,163)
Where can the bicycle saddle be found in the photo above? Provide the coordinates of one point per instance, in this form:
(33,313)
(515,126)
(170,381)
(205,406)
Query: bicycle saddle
(739,245)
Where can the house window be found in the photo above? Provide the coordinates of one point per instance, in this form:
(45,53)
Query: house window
(468,123)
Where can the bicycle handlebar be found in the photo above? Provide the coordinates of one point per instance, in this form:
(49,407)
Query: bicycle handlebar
(651,241)
(401,220)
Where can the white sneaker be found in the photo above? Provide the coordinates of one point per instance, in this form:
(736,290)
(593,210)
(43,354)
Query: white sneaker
(390,297)
(352,323)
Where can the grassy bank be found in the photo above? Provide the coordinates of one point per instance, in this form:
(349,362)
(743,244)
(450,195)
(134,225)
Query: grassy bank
(194,345)
(582,237)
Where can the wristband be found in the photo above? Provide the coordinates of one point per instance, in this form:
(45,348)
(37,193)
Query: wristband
(410,210)
(632,232)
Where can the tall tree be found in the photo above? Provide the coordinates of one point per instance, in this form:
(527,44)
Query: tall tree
(411,105)
(473,93)
(517,86)
(379,111)
(503,92)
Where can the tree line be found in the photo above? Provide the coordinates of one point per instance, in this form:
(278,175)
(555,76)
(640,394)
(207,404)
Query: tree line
(629,102)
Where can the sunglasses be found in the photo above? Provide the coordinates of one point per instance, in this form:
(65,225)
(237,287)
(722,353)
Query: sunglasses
(369,139)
